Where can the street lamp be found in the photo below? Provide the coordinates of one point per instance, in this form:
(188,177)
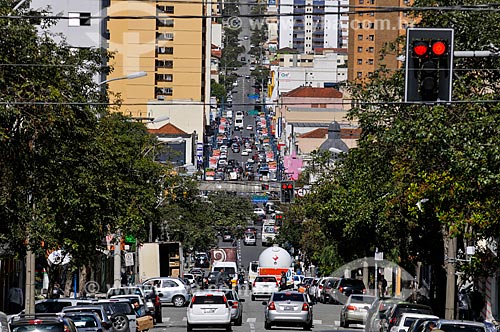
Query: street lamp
(127,77)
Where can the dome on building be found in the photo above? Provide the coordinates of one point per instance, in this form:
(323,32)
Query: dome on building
(334,142)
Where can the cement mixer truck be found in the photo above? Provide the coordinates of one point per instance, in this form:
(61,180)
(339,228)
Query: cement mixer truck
(275,260)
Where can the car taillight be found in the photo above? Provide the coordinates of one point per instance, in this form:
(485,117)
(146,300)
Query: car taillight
(35,321)
(277,284)
(305,307)
(271,306)
(351,308)
(392,320)
(235,305)
(320,287)
(66,328)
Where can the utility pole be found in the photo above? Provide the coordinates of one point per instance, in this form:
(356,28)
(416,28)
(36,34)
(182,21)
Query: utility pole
(450,260)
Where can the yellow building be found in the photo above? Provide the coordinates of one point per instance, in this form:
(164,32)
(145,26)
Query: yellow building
(369,31)
(153,38)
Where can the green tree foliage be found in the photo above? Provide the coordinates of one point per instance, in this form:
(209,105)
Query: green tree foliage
(218,91)
(70,173)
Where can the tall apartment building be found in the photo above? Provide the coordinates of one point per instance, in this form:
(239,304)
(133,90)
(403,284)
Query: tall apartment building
(173,51)
(313,24)
(369,31)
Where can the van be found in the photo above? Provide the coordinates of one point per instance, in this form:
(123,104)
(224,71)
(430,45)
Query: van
(229,267)
(253,272)
(238,124)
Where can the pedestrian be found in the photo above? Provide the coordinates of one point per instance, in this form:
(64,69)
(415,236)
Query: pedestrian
(283,281)
(139,312)
(463,305)
(382,286)
(15,299)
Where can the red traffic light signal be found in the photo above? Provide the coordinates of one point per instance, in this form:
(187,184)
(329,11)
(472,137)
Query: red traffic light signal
(439,48)
(420,49)
(283,186)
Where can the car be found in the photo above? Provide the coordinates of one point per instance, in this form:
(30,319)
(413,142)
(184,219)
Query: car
(171,290)
(244,152)
(390,316)
(235,303)
(460,325)
(404,321)
(252,68)
(85,321)
(250,239)
(247,77)
(264,286)
(328,288)
(355,310)
(421,325)
(209,309)
(57,305)
(259,211)
(345,287)
(42,323)
(245,37)
(190,279)
(4,322)
(227,237)
(297,280)
(120,313)
(377,311)
(249,127)
(143,307)
(124,291)
(288,309)
(106,323)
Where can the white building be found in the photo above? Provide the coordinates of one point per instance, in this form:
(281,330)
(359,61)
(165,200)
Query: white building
(313,24)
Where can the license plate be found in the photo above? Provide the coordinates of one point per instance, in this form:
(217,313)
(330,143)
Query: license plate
(209,311)
(265,286)
(288,308)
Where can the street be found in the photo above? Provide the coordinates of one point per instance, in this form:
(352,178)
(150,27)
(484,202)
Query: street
(326,318)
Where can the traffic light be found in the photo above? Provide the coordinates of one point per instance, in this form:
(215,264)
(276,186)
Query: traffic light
(287,190)
(429,65)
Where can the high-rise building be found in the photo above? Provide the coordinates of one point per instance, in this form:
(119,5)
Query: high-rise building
(313,24)
(173,51)
(369,32)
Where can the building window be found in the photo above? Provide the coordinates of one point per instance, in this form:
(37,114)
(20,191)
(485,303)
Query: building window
(78,19)
(164,64)
(318,105)
(370,61)
(361,2)
(371,37)
(164,50)
(164,77)
(372,2)
(165,22)
(370,74)
(164,91)
(370,49)
(360,49)
(372,13)
(360,61)
(359,74)
(360,37)
(165,9)
(164,36)
(371,25)
(360,25)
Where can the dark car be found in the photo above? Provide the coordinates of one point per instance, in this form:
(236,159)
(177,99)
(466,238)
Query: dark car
(390,317)
(42,323)
(345,287)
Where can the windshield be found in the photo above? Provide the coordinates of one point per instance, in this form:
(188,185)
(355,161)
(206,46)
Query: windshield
(288,297)
(38,328)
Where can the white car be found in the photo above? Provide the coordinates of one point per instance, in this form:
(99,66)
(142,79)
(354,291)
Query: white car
(249,127)
(264,286)
(209,309)
(404,321)
(244,152)
(259,211)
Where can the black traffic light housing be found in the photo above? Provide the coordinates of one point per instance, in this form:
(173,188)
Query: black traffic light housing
(287,191)
(429,65)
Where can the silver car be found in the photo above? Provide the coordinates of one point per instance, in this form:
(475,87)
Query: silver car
(355,310)
(171,290)
(288,309)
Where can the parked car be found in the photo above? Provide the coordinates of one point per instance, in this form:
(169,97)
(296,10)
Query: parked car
(171,290)
(297,280)
(345,287)
(120,313)
(288,309)
(355,310)
(106,322)
(56,305)
(209,309)
(42,323)
(391,315)
(264,286)
(85,321)
(143,308)
(460,325)
(329,285)
(201,260)
(421,325)
(404,321)
(376,312)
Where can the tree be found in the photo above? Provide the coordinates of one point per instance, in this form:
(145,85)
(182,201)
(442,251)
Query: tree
(218,91)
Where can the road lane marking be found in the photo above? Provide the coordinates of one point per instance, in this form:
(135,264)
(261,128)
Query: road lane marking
(251,320)
(317,322)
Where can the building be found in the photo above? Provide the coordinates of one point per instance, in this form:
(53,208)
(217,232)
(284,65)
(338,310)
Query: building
(325,68)
(173,51)
(313,24)
(369,31)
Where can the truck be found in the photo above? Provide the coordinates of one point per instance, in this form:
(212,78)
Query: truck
(223,255)
(275,260)
(160,259)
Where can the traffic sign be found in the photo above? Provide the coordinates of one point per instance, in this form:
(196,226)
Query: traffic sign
(253,96)
(253,112)
(259,199)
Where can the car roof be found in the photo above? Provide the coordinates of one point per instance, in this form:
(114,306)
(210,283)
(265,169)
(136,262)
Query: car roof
(208,292)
